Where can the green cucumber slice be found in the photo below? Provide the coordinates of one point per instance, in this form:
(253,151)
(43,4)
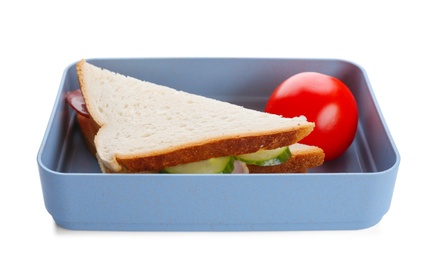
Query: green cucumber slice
(213,165)
(266,157)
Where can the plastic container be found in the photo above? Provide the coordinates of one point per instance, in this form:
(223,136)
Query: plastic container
(351,192)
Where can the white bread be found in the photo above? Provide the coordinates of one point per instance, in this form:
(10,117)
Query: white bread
(147,127)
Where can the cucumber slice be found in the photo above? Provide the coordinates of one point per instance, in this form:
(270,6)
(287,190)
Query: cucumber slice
(214,165)
(266,157)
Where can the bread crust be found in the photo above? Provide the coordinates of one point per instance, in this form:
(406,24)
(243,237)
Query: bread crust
(88,131)
(213,149)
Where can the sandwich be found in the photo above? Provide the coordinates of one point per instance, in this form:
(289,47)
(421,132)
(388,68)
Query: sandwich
(135,126)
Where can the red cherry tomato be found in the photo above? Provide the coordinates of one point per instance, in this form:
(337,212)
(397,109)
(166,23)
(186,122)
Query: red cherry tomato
(324,100)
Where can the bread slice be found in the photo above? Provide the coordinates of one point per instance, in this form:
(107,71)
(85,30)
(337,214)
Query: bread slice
(303,157)
(145,127)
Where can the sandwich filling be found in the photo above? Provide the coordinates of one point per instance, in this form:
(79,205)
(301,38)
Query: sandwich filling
(234,164)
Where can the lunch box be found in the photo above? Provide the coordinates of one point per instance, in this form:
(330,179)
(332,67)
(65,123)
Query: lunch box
(351,192)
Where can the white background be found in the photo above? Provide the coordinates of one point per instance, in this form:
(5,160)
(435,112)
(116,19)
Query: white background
(396,42)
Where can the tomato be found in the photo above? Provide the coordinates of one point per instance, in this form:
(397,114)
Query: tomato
(324,100)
